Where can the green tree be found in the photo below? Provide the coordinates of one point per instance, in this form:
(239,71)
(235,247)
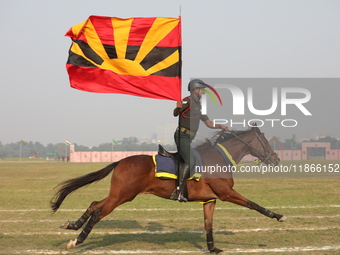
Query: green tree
(81,148)
(102,147)
(60,148)
(127,144)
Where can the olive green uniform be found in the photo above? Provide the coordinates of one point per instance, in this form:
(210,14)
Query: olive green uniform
(190,116)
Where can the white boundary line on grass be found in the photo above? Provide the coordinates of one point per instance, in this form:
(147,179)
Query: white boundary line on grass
(173,209)
(171,232)
(172,251)
(184,219)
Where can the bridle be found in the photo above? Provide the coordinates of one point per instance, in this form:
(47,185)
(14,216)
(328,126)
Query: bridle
(266,155)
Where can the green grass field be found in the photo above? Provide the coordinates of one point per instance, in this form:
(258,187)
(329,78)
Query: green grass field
(150,225)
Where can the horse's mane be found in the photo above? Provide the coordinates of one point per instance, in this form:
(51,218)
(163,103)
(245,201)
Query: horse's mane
(222,136)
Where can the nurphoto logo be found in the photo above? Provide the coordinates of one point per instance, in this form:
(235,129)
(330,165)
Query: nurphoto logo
(278,103)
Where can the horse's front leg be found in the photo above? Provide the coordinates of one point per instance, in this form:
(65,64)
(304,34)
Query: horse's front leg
(236,198)
(266,212)
(208,210)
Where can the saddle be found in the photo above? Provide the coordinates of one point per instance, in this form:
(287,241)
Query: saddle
(163,152)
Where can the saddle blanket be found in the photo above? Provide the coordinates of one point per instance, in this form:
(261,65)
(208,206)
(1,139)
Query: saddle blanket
(165,167)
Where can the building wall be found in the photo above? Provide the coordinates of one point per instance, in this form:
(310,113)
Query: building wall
(309,145)
(103,156)
(333,154)
(112,156)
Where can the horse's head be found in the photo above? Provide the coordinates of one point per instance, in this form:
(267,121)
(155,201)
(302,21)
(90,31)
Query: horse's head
(260,148)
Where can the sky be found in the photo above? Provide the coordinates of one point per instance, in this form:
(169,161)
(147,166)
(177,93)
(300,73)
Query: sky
(221,39)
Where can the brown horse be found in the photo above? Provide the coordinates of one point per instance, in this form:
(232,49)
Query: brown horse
(136,175)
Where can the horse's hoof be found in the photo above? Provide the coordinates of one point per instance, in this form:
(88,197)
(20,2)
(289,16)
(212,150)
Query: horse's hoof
(71,244)
(216,251)
(282,219)
(65,225)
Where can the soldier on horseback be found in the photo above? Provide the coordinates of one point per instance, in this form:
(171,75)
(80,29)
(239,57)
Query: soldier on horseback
(189,111)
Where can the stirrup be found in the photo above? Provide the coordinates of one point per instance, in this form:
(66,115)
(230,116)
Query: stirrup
(182,198)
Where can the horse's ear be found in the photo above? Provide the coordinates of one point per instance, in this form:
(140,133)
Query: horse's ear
(254,125)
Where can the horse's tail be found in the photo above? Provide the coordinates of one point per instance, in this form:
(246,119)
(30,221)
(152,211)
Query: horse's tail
(67,187)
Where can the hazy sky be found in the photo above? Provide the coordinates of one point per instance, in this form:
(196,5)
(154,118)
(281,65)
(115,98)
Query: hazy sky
(221,38)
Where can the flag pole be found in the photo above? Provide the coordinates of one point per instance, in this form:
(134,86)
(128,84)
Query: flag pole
(20,149)
(179,116)
(179,144)
(178,147)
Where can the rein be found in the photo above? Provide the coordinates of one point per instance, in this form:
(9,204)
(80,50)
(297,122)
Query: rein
(263,156)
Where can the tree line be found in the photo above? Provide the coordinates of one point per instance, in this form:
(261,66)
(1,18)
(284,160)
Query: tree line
(36,149)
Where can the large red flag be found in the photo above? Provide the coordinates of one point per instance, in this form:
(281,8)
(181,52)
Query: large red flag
(136,56)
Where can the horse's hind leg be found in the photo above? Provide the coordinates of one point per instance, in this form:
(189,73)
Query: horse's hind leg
(123,188)
(95,218)
(80,222)
(100,210)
